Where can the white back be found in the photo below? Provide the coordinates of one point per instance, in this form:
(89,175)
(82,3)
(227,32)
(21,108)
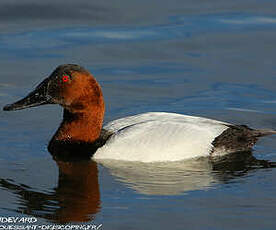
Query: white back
(152,137)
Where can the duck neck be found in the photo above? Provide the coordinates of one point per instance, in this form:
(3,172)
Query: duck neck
(84,126)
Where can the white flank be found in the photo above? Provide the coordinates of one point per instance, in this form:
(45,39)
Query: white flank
(154,136)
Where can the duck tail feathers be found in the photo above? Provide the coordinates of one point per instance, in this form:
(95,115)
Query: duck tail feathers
(263,132)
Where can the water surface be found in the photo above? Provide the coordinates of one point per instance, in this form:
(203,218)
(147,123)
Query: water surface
(212,59)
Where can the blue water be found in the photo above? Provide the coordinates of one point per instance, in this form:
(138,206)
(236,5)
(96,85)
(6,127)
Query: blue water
(213,59)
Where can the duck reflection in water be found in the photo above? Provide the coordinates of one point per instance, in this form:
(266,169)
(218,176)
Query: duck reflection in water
(77,196)
(174,178)
(75,199)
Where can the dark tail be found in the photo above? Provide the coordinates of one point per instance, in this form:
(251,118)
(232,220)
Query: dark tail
(263,132)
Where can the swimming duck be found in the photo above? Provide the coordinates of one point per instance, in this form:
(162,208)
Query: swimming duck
(146,137)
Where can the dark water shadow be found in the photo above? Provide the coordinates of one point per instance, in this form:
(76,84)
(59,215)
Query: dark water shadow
(75,199)
(237,165)
(77,196)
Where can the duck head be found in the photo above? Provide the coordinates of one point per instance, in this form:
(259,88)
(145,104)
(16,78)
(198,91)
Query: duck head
(69,85)
(78,92)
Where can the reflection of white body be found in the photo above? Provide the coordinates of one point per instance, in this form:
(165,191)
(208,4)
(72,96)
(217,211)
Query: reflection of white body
(163,178)
(155,136)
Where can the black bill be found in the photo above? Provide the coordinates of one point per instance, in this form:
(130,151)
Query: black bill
(38,97)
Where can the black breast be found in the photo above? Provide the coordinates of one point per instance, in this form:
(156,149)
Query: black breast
(78,150)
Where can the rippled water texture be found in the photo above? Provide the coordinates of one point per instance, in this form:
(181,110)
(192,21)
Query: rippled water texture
(208,58)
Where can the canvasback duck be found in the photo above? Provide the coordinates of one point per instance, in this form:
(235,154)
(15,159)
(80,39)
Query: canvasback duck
(147,137)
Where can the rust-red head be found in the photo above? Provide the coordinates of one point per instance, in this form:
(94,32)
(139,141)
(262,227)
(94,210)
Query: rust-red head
(77,91)
(71,86)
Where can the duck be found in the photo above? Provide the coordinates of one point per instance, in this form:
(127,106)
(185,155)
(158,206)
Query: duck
(145,137)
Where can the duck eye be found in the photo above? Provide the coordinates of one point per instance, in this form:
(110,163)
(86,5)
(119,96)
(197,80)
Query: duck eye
(65,78)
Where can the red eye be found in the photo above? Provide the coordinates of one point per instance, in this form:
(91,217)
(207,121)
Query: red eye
(65,78)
